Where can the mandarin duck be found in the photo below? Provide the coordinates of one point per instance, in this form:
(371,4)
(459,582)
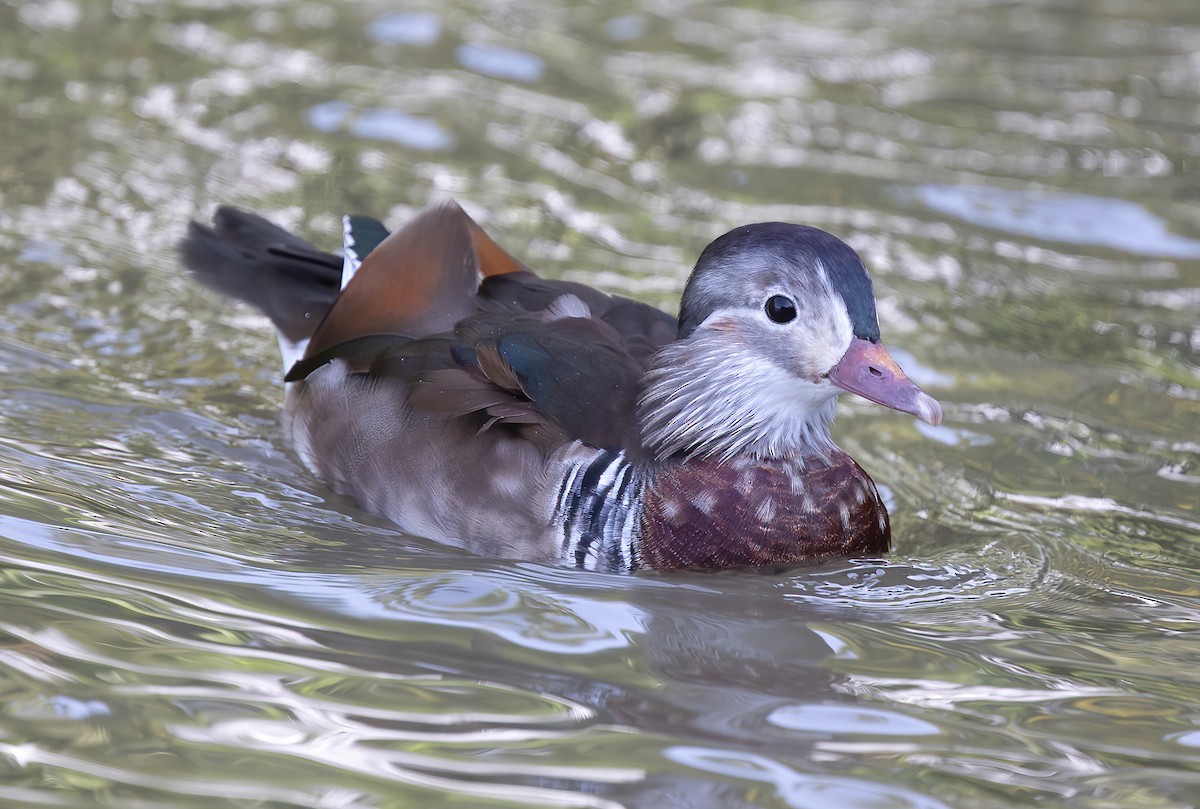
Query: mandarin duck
(440,383)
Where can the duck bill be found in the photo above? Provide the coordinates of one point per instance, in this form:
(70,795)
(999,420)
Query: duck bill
(868,370)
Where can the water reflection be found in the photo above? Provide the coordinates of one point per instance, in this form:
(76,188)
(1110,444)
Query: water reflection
(398,127)
(503,63)
(799,790)
(1075,218)
(406,28)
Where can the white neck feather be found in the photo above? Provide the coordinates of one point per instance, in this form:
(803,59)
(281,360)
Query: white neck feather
(705,397)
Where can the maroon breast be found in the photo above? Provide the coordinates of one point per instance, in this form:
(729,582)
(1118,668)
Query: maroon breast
(709,514)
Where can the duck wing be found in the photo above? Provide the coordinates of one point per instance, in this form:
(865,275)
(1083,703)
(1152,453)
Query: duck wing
(554,377)
(554,360)
(643,329)
(419,280)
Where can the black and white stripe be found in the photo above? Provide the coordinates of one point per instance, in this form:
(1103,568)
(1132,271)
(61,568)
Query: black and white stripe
(351,260)
(598,508)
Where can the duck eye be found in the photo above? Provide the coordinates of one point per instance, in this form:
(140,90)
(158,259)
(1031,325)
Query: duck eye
(781,308)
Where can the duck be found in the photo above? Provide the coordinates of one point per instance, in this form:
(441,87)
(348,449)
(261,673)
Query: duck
(438,382)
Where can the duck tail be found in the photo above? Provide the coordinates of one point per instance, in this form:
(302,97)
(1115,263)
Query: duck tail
(248,258)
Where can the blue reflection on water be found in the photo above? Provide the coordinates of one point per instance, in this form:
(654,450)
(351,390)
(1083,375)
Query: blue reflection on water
(79,709)
(625,29)
(400,127)
(800,789)
(924,375)
(1190,739)
(1073,218)
(503,63)
(849,719)
(379,123)
(406,28)
(328,116)
(45,251)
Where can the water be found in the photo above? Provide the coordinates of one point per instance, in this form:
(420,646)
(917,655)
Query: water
(188,618)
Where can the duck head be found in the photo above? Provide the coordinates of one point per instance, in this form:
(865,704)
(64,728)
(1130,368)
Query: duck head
(776,320)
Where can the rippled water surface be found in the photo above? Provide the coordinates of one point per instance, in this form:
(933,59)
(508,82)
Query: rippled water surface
(189,619)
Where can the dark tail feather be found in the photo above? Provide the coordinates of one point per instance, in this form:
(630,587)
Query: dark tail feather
(246,257)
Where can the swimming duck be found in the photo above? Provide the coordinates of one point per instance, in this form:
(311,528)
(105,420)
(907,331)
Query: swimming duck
(440,383)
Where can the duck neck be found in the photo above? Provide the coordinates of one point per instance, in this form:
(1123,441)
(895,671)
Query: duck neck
(703,398)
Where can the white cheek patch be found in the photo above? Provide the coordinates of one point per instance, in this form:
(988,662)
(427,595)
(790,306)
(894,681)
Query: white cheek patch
(830,341)
(830,331)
